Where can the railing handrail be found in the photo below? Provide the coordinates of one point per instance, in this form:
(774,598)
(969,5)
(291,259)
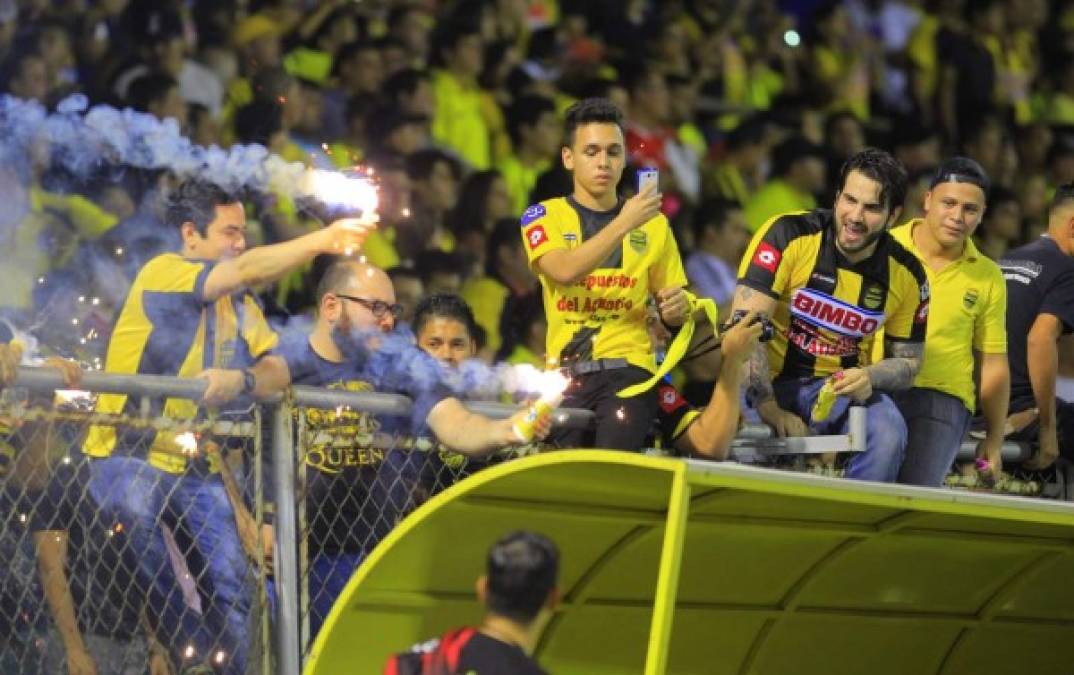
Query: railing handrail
(44,380)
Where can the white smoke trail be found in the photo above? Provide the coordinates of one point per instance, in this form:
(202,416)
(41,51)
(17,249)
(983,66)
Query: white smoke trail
(82,139)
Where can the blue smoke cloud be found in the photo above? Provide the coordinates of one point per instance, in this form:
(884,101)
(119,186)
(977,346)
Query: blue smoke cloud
(81,140)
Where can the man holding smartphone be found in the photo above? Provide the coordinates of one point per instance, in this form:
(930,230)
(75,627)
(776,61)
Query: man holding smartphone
(599,258)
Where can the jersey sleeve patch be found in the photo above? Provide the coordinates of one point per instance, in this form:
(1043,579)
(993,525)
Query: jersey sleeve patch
(535,236)
(670,399)
(922,314)
(533,213)
(767,256)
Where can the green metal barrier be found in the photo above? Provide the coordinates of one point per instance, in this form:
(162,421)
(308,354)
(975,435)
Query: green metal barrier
(694,567)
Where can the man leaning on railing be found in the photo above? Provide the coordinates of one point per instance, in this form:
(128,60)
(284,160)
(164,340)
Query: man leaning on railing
(360,483)
(190,314)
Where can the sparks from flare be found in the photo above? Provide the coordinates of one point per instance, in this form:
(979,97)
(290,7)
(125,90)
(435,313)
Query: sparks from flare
(187,442)
(69,396)
(356,194)
(338,189)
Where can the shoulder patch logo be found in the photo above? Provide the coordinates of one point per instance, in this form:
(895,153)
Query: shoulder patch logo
(767,257)
(536,236)
(922,313)
(670,399)
(533,213)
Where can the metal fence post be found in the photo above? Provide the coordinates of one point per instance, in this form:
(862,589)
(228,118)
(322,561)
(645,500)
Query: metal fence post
(286,542)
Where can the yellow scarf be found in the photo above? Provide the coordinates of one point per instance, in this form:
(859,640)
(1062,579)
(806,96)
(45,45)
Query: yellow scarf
(677,348)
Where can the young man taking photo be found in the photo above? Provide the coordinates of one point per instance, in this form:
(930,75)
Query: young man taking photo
(599,258)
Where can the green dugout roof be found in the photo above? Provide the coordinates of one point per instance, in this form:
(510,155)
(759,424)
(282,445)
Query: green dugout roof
(696,567)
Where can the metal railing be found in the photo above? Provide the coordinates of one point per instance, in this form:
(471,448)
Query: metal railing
(302,423)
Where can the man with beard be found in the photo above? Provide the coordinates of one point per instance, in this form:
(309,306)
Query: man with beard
(829,279)
(363,473)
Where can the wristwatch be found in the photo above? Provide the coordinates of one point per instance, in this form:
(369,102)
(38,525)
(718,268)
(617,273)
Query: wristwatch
(249,382)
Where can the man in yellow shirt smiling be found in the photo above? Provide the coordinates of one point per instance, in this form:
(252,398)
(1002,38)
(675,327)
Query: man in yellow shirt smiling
(966,328)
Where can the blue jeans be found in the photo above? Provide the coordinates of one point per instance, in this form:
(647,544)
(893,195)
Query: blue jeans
(937,423)
(885,430)
(328,574)
(195,506)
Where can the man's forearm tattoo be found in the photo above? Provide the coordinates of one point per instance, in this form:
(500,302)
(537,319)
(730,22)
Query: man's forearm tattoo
(743,293)
(759,383)
(898,369)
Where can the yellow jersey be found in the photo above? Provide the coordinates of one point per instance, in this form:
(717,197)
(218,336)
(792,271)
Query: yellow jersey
(969,312)
(167,328)
(487,298)
(459,122)
(602,315)
(521,179)
(775,197)
(828,309)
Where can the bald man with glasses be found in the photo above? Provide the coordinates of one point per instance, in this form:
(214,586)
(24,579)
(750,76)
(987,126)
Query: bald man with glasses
(362,475)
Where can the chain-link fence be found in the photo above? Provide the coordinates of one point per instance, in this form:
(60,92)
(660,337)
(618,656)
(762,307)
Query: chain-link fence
(356,478)
(131,543)
(145,541)
(137,542)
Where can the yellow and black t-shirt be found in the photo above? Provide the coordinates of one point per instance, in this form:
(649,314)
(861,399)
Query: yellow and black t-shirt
(167,328)
(830,309)
(602,316)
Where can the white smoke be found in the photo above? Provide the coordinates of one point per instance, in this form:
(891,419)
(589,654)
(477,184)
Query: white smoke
(82,139)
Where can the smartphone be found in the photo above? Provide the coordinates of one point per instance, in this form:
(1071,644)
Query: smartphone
(647,175)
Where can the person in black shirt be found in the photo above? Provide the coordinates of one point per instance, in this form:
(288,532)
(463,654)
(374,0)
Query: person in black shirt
(519,592)
(1040,309)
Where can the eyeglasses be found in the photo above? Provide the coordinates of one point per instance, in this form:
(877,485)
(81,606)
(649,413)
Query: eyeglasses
(377,307)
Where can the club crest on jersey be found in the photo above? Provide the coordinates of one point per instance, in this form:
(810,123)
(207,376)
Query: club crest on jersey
(970,298)
(824,311)
(535,236)
(533,213)
(874,297)
(767,256)
(638,241)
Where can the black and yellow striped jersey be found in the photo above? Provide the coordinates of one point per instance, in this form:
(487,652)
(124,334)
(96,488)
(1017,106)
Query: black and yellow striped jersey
(167,328)
(829,309)
(602,315)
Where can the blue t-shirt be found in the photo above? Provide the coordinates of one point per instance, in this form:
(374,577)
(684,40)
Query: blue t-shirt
(362,475)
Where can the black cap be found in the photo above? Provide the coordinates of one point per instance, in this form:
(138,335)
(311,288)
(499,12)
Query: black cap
(961,170)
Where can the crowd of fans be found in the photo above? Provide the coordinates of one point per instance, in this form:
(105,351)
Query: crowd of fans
(747,109)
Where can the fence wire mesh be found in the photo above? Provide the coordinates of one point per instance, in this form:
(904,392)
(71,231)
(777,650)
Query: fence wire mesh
(355,482)
(113,565)
(141,563)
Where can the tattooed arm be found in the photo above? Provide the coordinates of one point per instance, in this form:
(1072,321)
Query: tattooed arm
(900,367)
(759,379)
(895,372)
